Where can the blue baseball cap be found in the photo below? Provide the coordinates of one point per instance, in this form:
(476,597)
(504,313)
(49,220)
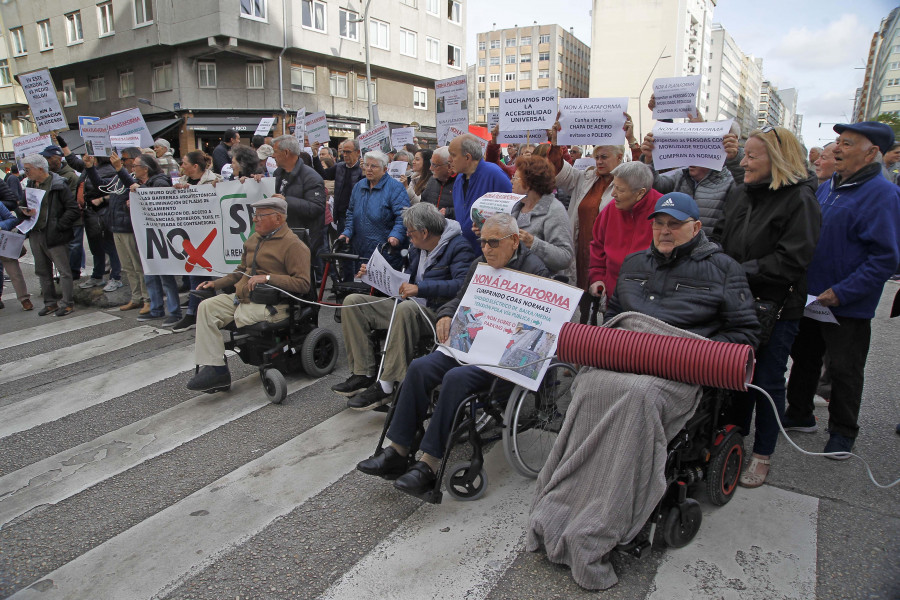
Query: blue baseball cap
(681,206)
(879,134)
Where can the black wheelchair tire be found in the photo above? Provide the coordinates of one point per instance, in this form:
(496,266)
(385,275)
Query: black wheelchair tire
(319,352)
(724,468)
(469,492)
(275,386)
(678,534)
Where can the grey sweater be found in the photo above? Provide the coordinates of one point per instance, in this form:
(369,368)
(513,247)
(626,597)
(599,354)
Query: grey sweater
(548,222)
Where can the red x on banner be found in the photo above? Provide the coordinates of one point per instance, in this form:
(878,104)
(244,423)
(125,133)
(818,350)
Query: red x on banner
(194,256)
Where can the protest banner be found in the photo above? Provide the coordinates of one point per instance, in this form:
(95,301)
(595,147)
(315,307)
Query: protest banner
(451,103)
(584,163)
(33,143)
(676,97)
(96,139)
(531,109)
(316,126)
(402,136)
(300,125)
(200,230)
(120,142)
(33,199)
(11,244)
(265,126)
(129,122)
(382,276)
(814,310)
(598,121)
(40,93)
(491,204)
(535,136)
(510,319)
(376,138)
(84,120)
(397,168)
(689,145)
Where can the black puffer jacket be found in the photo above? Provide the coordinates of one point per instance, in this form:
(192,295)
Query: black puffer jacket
(59,211)
(117,217)
(345,178)
(773,235)
(698,288)
(304,192)
(8,197)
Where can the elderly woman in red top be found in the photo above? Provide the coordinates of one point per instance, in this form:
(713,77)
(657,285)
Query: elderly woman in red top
(622,227)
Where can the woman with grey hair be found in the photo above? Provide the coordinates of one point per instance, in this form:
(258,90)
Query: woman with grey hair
(623,227)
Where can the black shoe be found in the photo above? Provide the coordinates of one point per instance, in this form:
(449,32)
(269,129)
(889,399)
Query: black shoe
(149,317)
(840,445)
(64,311)
(50,308)
(373,397)
(187,322)
(418,480)
(1,304)
(354,385)
(170,321)
(388,464)
(207,380)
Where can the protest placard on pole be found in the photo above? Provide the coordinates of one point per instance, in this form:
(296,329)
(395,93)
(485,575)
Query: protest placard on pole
(528,109)
(510,319)
(265,126)
(300,125)
(598,121)
(120,142)
(129,122)
(33,143)
(382,276)
(676,97)
(40,93)
(376,138)
(96,139)
(491,204)
(11,244)
(316,126)
(451,105)
(33,199)
(689,144)
(401,136)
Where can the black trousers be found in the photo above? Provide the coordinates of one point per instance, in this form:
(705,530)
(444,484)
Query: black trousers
(847,345)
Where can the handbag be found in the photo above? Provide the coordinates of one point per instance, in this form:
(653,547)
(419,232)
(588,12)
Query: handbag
(767,312)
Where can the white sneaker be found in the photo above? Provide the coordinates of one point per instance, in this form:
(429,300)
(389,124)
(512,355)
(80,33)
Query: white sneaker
(112,285)
(90,283)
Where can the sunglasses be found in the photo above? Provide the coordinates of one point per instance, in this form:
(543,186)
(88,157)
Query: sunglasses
(493,242)
(769,128)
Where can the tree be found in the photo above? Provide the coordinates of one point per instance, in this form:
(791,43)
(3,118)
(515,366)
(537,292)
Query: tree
(892,120)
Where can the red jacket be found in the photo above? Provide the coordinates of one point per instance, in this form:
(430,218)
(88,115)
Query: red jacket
(616,235)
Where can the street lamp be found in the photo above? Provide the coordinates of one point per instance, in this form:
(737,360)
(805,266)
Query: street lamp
(640,96)
(365,22)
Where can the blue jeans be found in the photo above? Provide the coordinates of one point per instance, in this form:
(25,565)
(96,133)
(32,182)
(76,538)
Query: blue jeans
(194,301)
(771,364)
(76,251)
(156,284)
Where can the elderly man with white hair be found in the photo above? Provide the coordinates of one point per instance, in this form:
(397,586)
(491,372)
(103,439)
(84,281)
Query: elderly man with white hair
(302,188)
(51,234)
(439,189)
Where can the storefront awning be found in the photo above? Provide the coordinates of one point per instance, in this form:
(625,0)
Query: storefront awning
(243,125)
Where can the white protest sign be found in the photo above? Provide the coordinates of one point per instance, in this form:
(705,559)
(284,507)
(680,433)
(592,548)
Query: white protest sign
(33,199)
(200,230)
(96,139)
(374,138)
(491,204)
(535,136)
(451,103)
(299,125)
(120,142)
(584,163)
(41,96)
(510,319)
(33,143)
(382,276)
(316,126)
(11,244)
(676,97)
(689,144)
(598,121)
(814,310)
(129,122)
(527,109)
(86,120)
(397,168)
(265,126)
(401,136)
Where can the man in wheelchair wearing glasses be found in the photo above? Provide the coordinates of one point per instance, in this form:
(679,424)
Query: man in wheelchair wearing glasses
(501,249)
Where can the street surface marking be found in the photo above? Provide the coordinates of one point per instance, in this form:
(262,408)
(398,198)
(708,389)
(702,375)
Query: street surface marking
(57,327)
(159,553)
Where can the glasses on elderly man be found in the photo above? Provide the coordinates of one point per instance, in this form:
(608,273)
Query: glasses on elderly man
(493,242)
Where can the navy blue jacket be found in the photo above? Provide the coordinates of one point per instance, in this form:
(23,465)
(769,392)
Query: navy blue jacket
(445,275)
(487,177)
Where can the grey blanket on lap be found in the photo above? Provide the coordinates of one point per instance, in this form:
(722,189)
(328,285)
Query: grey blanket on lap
(604,475)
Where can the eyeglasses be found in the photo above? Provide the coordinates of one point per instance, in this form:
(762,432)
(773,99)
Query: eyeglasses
(346,151)
(493,243)
(434,164)
(410,232)
(670,225)
(258,216)
(769,128)
(371,166)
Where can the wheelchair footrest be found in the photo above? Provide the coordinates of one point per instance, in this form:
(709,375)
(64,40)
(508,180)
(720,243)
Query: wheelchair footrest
(636,548)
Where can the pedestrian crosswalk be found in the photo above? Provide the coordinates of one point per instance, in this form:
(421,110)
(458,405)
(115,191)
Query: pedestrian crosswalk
(292,455)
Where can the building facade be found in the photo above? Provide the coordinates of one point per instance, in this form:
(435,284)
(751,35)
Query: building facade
(734,82)
(209,65)
(15,118)
(771,108)
(525,58)
(880,92)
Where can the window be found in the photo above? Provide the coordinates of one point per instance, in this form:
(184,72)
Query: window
(454,56)
(74,31)
(337,85)
(420,98)
(409,2)
(256,75)
(525,75)
(495,77)
(433,50)
(495,44)
(545,39)
(126,84)
(348,25)
(162,77)
(433,6)
(378,34)
(481,45)
(5,77)
(313,15)
(143,13)
(525,40)
(495,61)
(98,88)
(495,94)
(303,79)
(544,74)
(481,79)
(511,42)
(454,11)
(509,77)
(408,42)
(206,74)
(481,111)
(895,49)
(510,59)
(105,18)
(44,37)
(525,58)
(6,124)
(70,98)
(544,56)
(481,95)
(361,90)
(26,123)
(253,9)
(18,41)
(482,62)
(893,65)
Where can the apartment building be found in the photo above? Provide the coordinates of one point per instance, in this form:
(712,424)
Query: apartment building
(771,108)
(15,119)
(735,79)
(880,92)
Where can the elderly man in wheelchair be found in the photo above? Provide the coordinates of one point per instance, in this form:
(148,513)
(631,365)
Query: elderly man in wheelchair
(273,254)
(501,248)
(438,262)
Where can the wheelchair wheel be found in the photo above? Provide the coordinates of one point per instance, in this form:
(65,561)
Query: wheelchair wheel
(724,468)
(533,419)
(682,523)
(459,488)
(318,354)
(274,385)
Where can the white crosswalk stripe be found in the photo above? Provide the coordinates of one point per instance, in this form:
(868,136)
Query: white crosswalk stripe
(59,326)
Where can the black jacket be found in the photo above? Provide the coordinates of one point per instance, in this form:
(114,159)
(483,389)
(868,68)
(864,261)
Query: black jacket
(698,288)
(61,209)
(304,192)
(117,216)
(344,178)
(8,196)
(773,235)
(440,194)
(220,158)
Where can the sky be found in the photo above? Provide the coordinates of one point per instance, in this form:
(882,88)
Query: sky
(815,47)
